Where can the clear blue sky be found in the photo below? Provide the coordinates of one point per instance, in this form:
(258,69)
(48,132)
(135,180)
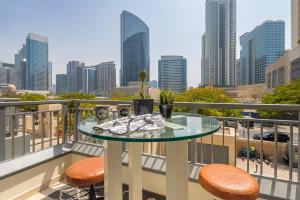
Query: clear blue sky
(89,30)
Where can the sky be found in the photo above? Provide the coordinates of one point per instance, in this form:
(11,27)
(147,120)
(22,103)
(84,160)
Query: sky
(89,30)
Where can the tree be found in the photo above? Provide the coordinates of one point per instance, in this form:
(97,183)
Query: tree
(286,94)
(209,94)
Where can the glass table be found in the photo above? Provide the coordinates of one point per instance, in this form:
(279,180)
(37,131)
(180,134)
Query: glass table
(178,130)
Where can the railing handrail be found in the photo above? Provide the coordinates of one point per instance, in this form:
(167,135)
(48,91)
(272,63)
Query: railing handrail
(283,107)
(26,103)
(278,107)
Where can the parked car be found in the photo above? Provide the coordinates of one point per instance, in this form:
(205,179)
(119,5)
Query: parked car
(270,136)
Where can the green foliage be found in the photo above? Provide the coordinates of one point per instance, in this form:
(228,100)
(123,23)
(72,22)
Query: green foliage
(166,97)
(209,94)
(30,97)
(143,76)
(78,96)
(117,95)
(287,94)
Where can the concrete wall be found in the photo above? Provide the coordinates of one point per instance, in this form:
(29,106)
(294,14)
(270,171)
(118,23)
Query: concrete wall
(33,180)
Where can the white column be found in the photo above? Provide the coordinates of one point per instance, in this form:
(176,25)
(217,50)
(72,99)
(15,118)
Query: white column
(135,170)
(177,170)
(113,170)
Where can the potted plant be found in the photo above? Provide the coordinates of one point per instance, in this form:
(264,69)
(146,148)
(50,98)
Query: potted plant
(143,106)
(166,98)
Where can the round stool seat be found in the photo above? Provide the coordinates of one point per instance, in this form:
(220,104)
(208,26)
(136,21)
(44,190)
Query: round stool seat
(86,172)
(228,182)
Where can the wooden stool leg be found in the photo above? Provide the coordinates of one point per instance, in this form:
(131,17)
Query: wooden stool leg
(92,193)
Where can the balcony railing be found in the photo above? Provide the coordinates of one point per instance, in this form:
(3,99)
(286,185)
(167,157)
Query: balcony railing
(24,130)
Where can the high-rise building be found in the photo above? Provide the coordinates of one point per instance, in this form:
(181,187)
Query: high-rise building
(172,73)
(32,64)
(8,73)
(238,72)
(204,69)
(295,16)
(219,43)
(260,48)
(106,78)
(89,80)
(37,62)
(74,76)
(61,83)
(21,66)
(50,76)
(134,48)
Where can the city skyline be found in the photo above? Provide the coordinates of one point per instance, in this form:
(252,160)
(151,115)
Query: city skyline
(165,26)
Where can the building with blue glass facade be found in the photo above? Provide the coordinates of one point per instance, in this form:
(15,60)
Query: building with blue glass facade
(134,48)
(172,73)
(89,80)
(260,48)
(61,83)
(37,61)
(33,69)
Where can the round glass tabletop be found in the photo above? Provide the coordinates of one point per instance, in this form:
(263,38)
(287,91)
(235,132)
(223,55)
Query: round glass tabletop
(179,127)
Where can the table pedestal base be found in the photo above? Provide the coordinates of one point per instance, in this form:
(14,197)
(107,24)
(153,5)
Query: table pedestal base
(135,171)
(113,170)
(177,170)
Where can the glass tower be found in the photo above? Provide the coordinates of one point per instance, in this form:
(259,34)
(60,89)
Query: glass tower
(134,48)
(172,73)
(260,48)
(37,60)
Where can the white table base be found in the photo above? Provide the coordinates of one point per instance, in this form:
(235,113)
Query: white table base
(135,171)
(177,170)
(113,170)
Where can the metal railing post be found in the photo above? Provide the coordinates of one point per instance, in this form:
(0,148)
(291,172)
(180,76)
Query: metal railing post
(65,121)
(76,121)
(2,133)
(193,144)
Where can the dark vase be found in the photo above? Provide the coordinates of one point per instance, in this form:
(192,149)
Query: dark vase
(143,106)
(166,110)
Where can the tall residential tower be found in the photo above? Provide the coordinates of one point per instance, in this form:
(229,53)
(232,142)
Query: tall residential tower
(134,48)
(219,43)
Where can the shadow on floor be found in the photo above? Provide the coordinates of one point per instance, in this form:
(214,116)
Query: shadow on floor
(68,192)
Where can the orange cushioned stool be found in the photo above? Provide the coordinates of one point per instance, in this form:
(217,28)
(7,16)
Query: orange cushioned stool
(228,182)
(86,172)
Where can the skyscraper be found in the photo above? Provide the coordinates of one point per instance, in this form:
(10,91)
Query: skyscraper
(134,48)
(172,73)
(238,72)
(218,59)
(37,62)
(61,83)
(295,16)
(50,76)
(33,70)
(260,48)
(106,78)
(89,80)
(21,66)
(8,73)
(74,76)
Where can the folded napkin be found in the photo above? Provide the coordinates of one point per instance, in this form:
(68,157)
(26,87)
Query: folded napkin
(127,125)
